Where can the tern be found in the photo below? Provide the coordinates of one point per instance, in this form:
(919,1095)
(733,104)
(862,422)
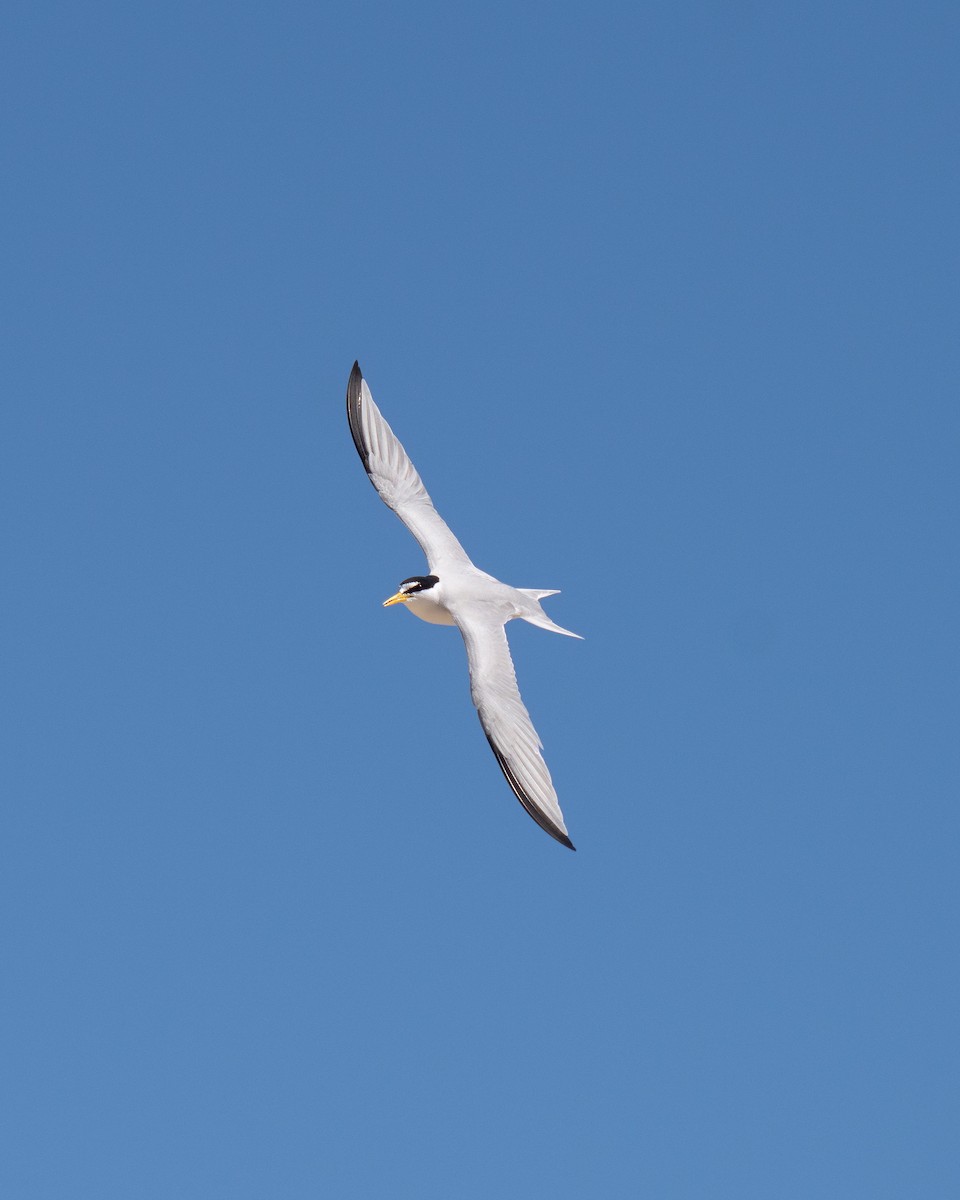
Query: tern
(455,592)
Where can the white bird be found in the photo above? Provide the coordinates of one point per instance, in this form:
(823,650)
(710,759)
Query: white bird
(455,592)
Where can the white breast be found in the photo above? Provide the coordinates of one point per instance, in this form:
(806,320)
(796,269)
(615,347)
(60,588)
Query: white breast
(429,609)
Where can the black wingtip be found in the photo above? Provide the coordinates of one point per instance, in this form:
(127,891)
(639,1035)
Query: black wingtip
(541,818)
(353,383)
(353,412)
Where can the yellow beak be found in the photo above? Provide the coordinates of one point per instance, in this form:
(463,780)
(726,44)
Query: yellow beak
(397,598)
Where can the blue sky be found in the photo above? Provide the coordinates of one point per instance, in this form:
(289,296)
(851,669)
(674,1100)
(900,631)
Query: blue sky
(662,300)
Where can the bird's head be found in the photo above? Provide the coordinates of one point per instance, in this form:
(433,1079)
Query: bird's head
(414,586)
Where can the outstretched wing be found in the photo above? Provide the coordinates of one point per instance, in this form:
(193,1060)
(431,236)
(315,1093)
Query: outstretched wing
(395,477)
(507,724)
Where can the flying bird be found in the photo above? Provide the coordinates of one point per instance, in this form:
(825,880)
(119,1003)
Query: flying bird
(455,592)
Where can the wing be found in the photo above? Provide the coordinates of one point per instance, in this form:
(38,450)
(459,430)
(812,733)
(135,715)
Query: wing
(395,477)
(507,724)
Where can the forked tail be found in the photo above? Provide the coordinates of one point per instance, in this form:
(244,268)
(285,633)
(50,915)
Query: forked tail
(538,617)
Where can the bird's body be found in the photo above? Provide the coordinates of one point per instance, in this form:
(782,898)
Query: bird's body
(456,592)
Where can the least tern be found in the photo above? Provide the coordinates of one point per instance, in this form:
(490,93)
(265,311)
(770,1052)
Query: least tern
(455,592)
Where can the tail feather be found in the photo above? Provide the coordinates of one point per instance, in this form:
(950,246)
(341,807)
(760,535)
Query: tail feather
(537,594)
(539,618)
